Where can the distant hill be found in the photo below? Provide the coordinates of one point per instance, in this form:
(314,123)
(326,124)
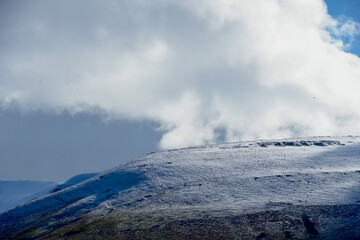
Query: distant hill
(303,188)
(13,193)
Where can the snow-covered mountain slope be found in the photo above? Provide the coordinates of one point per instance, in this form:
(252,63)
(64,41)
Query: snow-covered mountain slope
(73,181)
(285,189)
(13,193)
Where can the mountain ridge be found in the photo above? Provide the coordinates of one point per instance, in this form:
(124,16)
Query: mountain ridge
(181,191)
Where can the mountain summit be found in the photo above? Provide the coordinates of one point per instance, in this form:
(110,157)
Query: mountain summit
(303,188)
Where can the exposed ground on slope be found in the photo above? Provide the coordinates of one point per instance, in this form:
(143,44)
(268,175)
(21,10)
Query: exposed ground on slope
(287,222)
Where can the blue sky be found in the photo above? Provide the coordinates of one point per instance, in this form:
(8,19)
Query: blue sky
(349,8)
(191,77)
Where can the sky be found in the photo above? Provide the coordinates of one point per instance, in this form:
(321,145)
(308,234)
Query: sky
(88,85)
(349,9)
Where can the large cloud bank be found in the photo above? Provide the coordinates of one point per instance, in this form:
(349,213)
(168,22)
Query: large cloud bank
(204,70)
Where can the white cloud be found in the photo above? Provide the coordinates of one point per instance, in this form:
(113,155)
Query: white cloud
(255,69)
(344,32)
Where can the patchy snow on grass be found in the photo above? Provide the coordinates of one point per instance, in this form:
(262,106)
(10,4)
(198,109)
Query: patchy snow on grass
(242,177)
